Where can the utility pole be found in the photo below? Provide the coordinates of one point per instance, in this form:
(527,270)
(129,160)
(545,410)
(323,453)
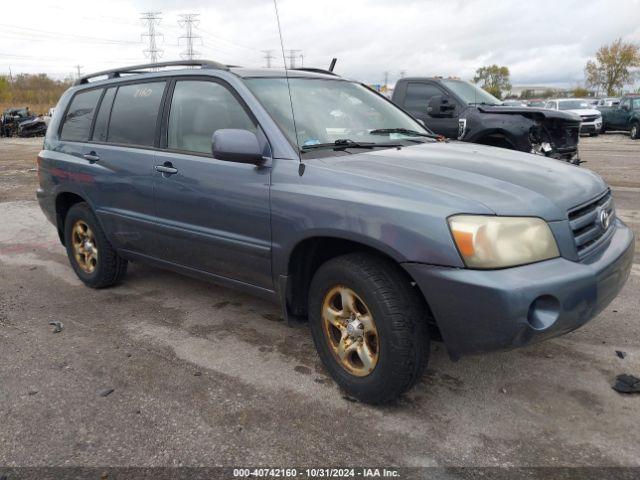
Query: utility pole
(292,58)
(268,57)
(151,20)
(79,70)
(188,21)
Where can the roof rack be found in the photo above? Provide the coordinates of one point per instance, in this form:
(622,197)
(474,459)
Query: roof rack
(316,70)
(138,69)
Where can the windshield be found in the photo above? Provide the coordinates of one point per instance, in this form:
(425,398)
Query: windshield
(470,93)
(572,105)
(327,111)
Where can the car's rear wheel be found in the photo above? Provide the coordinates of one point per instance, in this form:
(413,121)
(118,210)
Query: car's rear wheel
(91,255)
(635,131)
(369,326)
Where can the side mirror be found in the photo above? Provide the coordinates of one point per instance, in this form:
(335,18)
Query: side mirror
(440,106)
(235,145)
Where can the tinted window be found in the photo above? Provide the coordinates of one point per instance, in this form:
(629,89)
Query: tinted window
(418,96)
(102,119)
(199,108)
(135,113)
(77,122)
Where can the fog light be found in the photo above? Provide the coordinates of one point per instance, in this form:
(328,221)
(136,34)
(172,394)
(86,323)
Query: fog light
(543,312)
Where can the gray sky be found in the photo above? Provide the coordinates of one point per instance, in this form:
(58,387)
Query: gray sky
(542,42)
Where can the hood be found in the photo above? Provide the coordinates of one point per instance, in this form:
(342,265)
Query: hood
(504,181)
(584,112)
(530,112)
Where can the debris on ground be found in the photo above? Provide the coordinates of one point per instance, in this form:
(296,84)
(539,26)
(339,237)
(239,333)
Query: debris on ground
(621,354)
(57,326)
(32,392)
(197,374)
(106,392)
(626,384)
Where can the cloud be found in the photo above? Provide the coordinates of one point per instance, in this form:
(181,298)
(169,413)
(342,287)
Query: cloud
(542,42)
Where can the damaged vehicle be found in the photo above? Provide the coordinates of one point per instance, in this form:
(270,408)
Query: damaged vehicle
(354,217)
(19,122)
(460,110)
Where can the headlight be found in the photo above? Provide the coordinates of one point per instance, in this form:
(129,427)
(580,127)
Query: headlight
(498,242)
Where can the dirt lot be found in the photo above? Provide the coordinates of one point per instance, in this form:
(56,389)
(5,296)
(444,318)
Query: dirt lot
(204,375)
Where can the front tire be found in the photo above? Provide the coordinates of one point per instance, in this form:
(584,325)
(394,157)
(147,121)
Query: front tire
(635,131)
(369,326)
(91,255)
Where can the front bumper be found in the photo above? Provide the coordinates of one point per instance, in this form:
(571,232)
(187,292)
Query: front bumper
(484,310)
(591,127)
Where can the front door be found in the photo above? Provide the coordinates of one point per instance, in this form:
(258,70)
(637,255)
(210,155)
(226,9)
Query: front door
(417,100)
(213,215)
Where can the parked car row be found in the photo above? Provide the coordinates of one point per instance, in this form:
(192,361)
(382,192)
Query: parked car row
(591,118)
(625,115)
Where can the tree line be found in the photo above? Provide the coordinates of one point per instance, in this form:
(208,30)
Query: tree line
(614,68)
(38,92)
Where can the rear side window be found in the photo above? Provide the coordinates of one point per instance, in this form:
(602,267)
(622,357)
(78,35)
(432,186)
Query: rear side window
(135,113)
(418,96)
(77,121)
(102,119)
(198,109)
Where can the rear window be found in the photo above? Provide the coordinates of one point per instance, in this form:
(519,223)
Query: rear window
(77,121)
(135,113)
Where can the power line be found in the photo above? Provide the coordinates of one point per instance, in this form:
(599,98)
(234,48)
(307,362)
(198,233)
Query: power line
(152,19)
(268,57)
(188,21)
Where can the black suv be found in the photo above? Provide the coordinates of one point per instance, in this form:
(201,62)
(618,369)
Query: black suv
(460,110)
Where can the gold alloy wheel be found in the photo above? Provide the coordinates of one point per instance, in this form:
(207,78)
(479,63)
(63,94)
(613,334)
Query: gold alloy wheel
(84,246)
(350,331)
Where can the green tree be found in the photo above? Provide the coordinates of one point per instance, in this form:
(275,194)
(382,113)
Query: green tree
(613,67)
(548,93)
(527,94)
(580,92)
(494,79)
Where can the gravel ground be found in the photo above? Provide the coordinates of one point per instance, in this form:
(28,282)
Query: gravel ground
(203,375)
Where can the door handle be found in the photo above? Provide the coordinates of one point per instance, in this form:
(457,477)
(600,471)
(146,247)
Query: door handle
(92,157)
(166,169)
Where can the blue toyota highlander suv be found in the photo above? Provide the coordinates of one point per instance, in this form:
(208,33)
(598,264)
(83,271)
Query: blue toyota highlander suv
(315,192)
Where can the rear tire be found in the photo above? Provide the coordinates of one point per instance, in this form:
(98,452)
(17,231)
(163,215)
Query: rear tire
(91,255)
(635,131)
(381,296)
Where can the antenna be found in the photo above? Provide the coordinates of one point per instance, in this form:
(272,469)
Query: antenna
(332,64)
(286,74)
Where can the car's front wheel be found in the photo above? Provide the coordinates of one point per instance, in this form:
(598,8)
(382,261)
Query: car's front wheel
(369,326)
(91,255)
(635,131)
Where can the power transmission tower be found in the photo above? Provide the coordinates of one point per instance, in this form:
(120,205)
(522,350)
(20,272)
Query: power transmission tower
(301,60)
(79,70)
(386,78)
(188,21)
(268,57)
(152,19)
(402,73)
(292,58)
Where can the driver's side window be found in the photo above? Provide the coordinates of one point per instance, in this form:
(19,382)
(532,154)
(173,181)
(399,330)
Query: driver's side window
(418,96)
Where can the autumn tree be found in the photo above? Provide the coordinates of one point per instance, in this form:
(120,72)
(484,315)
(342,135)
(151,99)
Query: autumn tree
(613,67)
(493,79)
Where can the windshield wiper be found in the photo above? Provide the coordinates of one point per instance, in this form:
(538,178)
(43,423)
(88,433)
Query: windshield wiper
(402,131)
(343,143)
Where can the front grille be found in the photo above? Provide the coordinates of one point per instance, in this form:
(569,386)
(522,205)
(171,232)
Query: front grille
(589,118)
(590,222)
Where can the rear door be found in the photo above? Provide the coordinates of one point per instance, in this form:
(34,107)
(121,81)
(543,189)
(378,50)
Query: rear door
(214,214)
(417,99)
(118,162)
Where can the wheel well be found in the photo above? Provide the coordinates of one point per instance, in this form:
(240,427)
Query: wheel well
(64,202)
(497,140)
(311,253)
